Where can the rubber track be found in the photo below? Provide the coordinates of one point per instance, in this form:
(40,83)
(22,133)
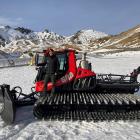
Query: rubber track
(89,106)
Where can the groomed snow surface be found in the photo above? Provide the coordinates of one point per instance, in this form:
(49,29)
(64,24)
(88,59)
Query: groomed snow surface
(27,128)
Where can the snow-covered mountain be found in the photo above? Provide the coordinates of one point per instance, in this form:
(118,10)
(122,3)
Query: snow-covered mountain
(10,34)
(86,36)
(23,40)
(125,41)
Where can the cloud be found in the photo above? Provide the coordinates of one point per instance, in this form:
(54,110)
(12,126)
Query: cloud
(10,21)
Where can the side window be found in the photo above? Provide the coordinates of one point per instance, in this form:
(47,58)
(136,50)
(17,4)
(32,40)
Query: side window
(62,62)
(45,60)
(39,58)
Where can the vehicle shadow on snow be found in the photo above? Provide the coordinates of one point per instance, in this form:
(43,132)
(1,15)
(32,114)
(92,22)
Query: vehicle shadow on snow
(24,115)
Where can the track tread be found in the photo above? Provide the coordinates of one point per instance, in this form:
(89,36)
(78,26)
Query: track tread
(89,106)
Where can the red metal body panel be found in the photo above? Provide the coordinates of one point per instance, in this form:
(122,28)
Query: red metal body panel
(72,73)
(68,77)
(81,73)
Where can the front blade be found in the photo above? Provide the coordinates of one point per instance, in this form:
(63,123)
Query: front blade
(8,110)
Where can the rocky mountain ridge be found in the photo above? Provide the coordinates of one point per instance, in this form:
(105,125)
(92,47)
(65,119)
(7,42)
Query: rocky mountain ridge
(23,40)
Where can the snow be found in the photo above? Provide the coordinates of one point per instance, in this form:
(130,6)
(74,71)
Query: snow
(126,53)
(87,39)
(104,50)
(85,36)
(137,30)
(26,127)
(122,36)
(9,34)
(17,41)
(112,53)
(22,76)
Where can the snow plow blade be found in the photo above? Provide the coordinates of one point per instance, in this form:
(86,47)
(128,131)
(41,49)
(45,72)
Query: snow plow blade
(8,108)
(12,99)
(89,106)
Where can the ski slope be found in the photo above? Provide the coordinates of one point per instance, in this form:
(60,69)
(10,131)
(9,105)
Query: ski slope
(27,128)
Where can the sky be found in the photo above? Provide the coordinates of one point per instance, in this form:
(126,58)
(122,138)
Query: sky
(66,17)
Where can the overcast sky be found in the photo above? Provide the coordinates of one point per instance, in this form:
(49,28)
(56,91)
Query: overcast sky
(66,17)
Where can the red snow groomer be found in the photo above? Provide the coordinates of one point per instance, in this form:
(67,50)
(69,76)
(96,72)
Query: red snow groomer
(80,93)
